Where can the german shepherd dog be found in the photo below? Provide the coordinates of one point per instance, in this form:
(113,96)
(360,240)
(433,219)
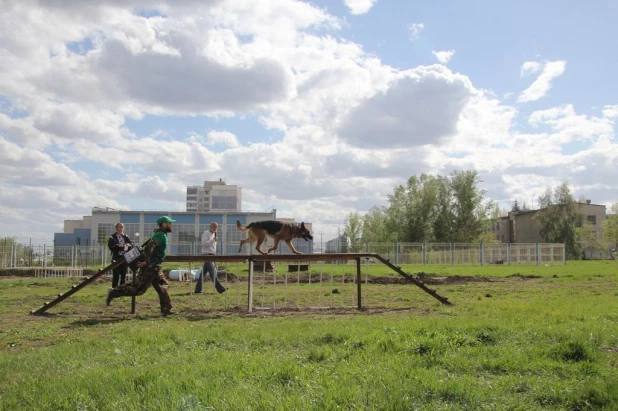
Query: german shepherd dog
(275,229)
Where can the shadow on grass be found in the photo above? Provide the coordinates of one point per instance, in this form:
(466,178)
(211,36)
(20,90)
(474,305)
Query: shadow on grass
(182,316)
(81,321)
(89,322)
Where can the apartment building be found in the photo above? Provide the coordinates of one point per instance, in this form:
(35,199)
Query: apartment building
(214,196)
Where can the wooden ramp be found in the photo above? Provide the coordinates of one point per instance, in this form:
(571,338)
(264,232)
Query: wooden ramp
(76,287)
(413,280)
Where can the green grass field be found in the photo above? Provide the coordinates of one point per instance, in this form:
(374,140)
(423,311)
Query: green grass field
(515,338)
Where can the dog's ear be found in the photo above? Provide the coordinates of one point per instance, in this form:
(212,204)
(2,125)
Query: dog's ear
(302,224)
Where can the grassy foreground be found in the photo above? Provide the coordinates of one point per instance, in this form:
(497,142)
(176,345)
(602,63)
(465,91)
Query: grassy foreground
(533,338)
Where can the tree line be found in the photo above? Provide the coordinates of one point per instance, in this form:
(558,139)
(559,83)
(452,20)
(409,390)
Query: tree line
(453,208)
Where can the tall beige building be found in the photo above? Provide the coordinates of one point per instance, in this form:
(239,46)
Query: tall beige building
(214,196)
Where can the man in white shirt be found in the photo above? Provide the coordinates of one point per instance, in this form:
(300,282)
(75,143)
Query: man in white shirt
(209,247)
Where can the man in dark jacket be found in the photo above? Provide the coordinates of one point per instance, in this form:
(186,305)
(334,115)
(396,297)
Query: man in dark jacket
(118,243)
(151,270)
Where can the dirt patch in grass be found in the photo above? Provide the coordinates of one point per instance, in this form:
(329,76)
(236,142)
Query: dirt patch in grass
(431,280)
(16,273)
(426,279)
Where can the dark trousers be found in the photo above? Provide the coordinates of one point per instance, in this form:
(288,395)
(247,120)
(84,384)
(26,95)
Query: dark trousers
(151,275)
(211,269)
(119,275)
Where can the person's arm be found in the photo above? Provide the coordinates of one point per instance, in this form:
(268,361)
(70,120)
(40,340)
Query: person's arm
(207,239)
(112,244)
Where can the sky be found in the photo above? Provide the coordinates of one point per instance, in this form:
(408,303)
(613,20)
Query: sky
(317,109)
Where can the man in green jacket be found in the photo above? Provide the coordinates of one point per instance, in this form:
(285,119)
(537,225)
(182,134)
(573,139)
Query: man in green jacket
(150,272)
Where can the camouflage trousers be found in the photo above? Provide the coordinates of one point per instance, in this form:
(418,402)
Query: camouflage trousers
(150,275)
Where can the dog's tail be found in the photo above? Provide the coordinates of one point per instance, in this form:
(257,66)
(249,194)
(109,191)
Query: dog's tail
(240,227)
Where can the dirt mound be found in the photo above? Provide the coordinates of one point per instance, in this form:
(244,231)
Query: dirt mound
(17,272)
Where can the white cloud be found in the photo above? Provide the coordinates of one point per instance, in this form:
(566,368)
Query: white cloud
(31,167)
(530,67)
(610,111)
(421,107)
(568,126)
(359,6)
(542,84)
(443,56)
(222,137)
(194,84)
(415,30)
(75,121)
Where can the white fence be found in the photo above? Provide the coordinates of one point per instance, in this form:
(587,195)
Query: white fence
(464,253)
(46,272)
(17,255)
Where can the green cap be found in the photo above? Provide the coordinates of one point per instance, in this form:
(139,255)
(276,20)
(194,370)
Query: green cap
(164,219)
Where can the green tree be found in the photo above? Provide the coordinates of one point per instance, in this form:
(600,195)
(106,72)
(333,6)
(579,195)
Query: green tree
(586,238)
(610,227)
(438,208)
(488,236)
(496,213)
(558,217)
(469,206)
(412,209)
(374,226)
(397,212)
(428,208)
(353,230)
(444,219)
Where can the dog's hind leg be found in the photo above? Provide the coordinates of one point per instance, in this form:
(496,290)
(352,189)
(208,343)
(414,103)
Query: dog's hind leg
(259,245)
(274,247)
(247,240)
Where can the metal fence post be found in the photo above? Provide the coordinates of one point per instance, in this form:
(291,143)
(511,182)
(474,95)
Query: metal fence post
(250,285)
(452,253)
(424,247)
(396,245)
(508,253)
(481,252)
(358,284)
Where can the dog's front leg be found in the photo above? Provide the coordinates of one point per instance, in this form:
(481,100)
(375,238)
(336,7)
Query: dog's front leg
(294,250)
